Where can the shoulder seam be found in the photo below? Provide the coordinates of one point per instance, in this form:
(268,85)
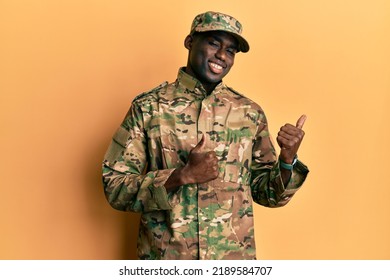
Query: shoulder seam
(147,94)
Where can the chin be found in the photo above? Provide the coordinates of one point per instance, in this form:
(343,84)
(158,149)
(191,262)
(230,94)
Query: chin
(215,78)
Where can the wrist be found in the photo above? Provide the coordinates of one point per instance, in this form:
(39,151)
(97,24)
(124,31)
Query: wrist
(288,166)
(184,175)
(176,180)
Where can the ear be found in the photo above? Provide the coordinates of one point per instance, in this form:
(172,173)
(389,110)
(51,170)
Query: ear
(188,42)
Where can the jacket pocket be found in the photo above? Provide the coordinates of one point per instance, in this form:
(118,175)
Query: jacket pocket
(163,144)
(239,141)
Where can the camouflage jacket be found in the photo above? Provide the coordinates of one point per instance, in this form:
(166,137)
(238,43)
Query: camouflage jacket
(198,221)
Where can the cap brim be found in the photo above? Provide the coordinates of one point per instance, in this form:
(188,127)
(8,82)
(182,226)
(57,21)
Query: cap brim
(243,44)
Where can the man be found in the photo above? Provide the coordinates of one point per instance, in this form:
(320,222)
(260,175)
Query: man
(192,155)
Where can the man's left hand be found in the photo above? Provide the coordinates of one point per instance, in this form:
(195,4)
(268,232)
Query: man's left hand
(290,138)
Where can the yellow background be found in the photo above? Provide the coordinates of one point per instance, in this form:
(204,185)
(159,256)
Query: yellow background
(68,73)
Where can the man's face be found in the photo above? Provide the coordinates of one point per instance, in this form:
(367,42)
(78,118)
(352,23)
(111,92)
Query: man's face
(211,55)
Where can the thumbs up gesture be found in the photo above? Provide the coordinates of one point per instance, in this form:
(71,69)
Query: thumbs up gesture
(202,166)
(289,139)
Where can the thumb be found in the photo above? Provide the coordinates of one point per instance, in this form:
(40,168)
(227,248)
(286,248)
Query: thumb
(301,121)
(200,145)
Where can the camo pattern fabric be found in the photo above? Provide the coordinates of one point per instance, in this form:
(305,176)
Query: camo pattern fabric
(198,221)
(210,21)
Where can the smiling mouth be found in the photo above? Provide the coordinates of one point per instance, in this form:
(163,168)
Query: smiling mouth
(215,68)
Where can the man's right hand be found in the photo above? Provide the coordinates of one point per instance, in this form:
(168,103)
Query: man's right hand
(202,167)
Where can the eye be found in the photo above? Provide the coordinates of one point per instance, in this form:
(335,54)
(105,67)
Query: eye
(214,43)
(231,51)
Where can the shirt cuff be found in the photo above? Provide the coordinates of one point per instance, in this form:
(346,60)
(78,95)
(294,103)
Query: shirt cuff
(298,176)
(159,193)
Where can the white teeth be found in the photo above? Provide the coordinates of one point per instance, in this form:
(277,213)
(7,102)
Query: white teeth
(216,66)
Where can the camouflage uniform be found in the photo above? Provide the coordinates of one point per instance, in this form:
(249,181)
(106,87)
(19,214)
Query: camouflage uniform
(198,221)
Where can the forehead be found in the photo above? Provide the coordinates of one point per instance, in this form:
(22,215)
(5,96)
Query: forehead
(221,36)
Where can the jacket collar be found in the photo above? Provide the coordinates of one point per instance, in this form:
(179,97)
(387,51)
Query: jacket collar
(193,84)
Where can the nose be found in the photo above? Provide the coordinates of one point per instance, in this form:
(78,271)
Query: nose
(221,54)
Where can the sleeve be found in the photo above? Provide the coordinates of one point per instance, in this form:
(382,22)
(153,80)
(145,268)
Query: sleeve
(127,185)
(266,181)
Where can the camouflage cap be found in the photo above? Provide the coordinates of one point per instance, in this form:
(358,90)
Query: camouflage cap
(215,21)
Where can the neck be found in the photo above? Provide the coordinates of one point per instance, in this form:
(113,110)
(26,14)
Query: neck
(208,86)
